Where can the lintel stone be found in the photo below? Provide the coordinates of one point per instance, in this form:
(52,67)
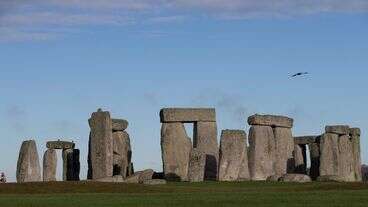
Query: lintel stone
(355,131)
(60,145)
(305,139)
(119,124)
(271,120)
(338,129)
(187,115)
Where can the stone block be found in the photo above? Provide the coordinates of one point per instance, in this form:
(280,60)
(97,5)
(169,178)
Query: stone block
(119,124)
(71,165)
(60,145)
(295,178)
(271,120)
(329,158)
(140,177)
(338,129)
(49,165)
(300,157)
(28,166)
(187,115)
(305,139)
(284,147)
(197,164)
(122,153)
(314,151)
(355,140)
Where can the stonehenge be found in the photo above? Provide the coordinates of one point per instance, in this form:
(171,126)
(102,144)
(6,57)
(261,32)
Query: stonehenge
(28,166)
(270,152)
(109,146)
(176,146)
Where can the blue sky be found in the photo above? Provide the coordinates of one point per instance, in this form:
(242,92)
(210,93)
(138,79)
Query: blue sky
(60,61)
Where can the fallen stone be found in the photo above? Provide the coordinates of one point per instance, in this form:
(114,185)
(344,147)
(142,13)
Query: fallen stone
(329,159)
(175,149)
(197,164)
(355,139)
(261,152)
(187,115)
(60,145)
(119,124)
(232,152)
(71,165)
(155,182)
(28,166)
(284,147)
(329,178)
(296,178)
(273,178)
(140,177)
(113,179)
(205,140)
(270,120)
(49,165)
(101,145)
(305,139)
(338,129)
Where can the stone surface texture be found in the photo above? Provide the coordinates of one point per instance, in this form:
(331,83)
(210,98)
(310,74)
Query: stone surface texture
(140,177)
(28,166)
(119,124)
(122,153)
(297,178)
(355,139)
(60,145)
(271,120)
(233,151)
(71,165)
(197,164)
(305,139)
(338,129)
(101,145)
(314,152)
(205,140)
(188,115)
(329,154)
(49,165)
(300,158)
(284,147)
(175,148)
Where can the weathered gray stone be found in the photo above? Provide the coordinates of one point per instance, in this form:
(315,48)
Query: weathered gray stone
(305,139)
(101,145)
(197,164)
(355,139)
(261,152)
(49,165)
(60,145)
(244,174)
(205,140)
(113,179)
(175,148)
(300,157)
(314,150)
(131,169)
(296,178)
(119,124)
(122,153)
(330,178)
(346,160)
(338,129)
(140,177)
(71,165)
(273,178)
(232,151)
(28,166)
(270,120)
(329,154)
(284,147)
(187,115)
(155,182)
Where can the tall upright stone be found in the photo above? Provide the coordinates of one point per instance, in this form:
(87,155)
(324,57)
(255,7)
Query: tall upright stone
(205,140)
(49,165)
(261,152)
(300,158)
(233,155)
(101,145)
(71,165)
(329,154)
(175,148)
(284,147)
(346,160)
(314,151)
(28,166)
(197,164)
(122,153)
(355,139)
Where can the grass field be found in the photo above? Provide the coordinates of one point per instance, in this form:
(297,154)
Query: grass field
(72,194)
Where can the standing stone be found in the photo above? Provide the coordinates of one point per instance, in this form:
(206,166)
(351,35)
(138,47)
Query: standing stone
(197,164)
(232,152)
(329,154)
(346,160)
(101,145)
(49,165)
(119,124)
(122,153)
(71,165)
(300,159)
(28,166)
(244,174)
(261,152)
(314,150)
(284,147)
(205,140)
(175,148)
(355,139)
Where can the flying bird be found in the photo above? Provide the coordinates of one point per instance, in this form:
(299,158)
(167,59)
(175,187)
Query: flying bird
(299,74)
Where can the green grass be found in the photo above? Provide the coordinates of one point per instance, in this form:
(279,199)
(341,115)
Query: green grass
(253,194)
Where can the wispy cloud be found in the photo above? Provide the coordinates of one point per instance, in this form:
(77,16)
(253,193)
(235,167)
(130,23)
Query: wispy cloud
(17,16)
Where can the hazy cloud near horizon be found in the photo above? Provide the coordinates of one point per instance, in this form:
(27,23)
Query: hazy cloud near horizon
(47,19)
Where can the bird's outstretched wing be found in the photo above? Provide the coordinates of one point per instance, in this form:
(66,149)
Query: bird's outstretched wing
(299,74)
